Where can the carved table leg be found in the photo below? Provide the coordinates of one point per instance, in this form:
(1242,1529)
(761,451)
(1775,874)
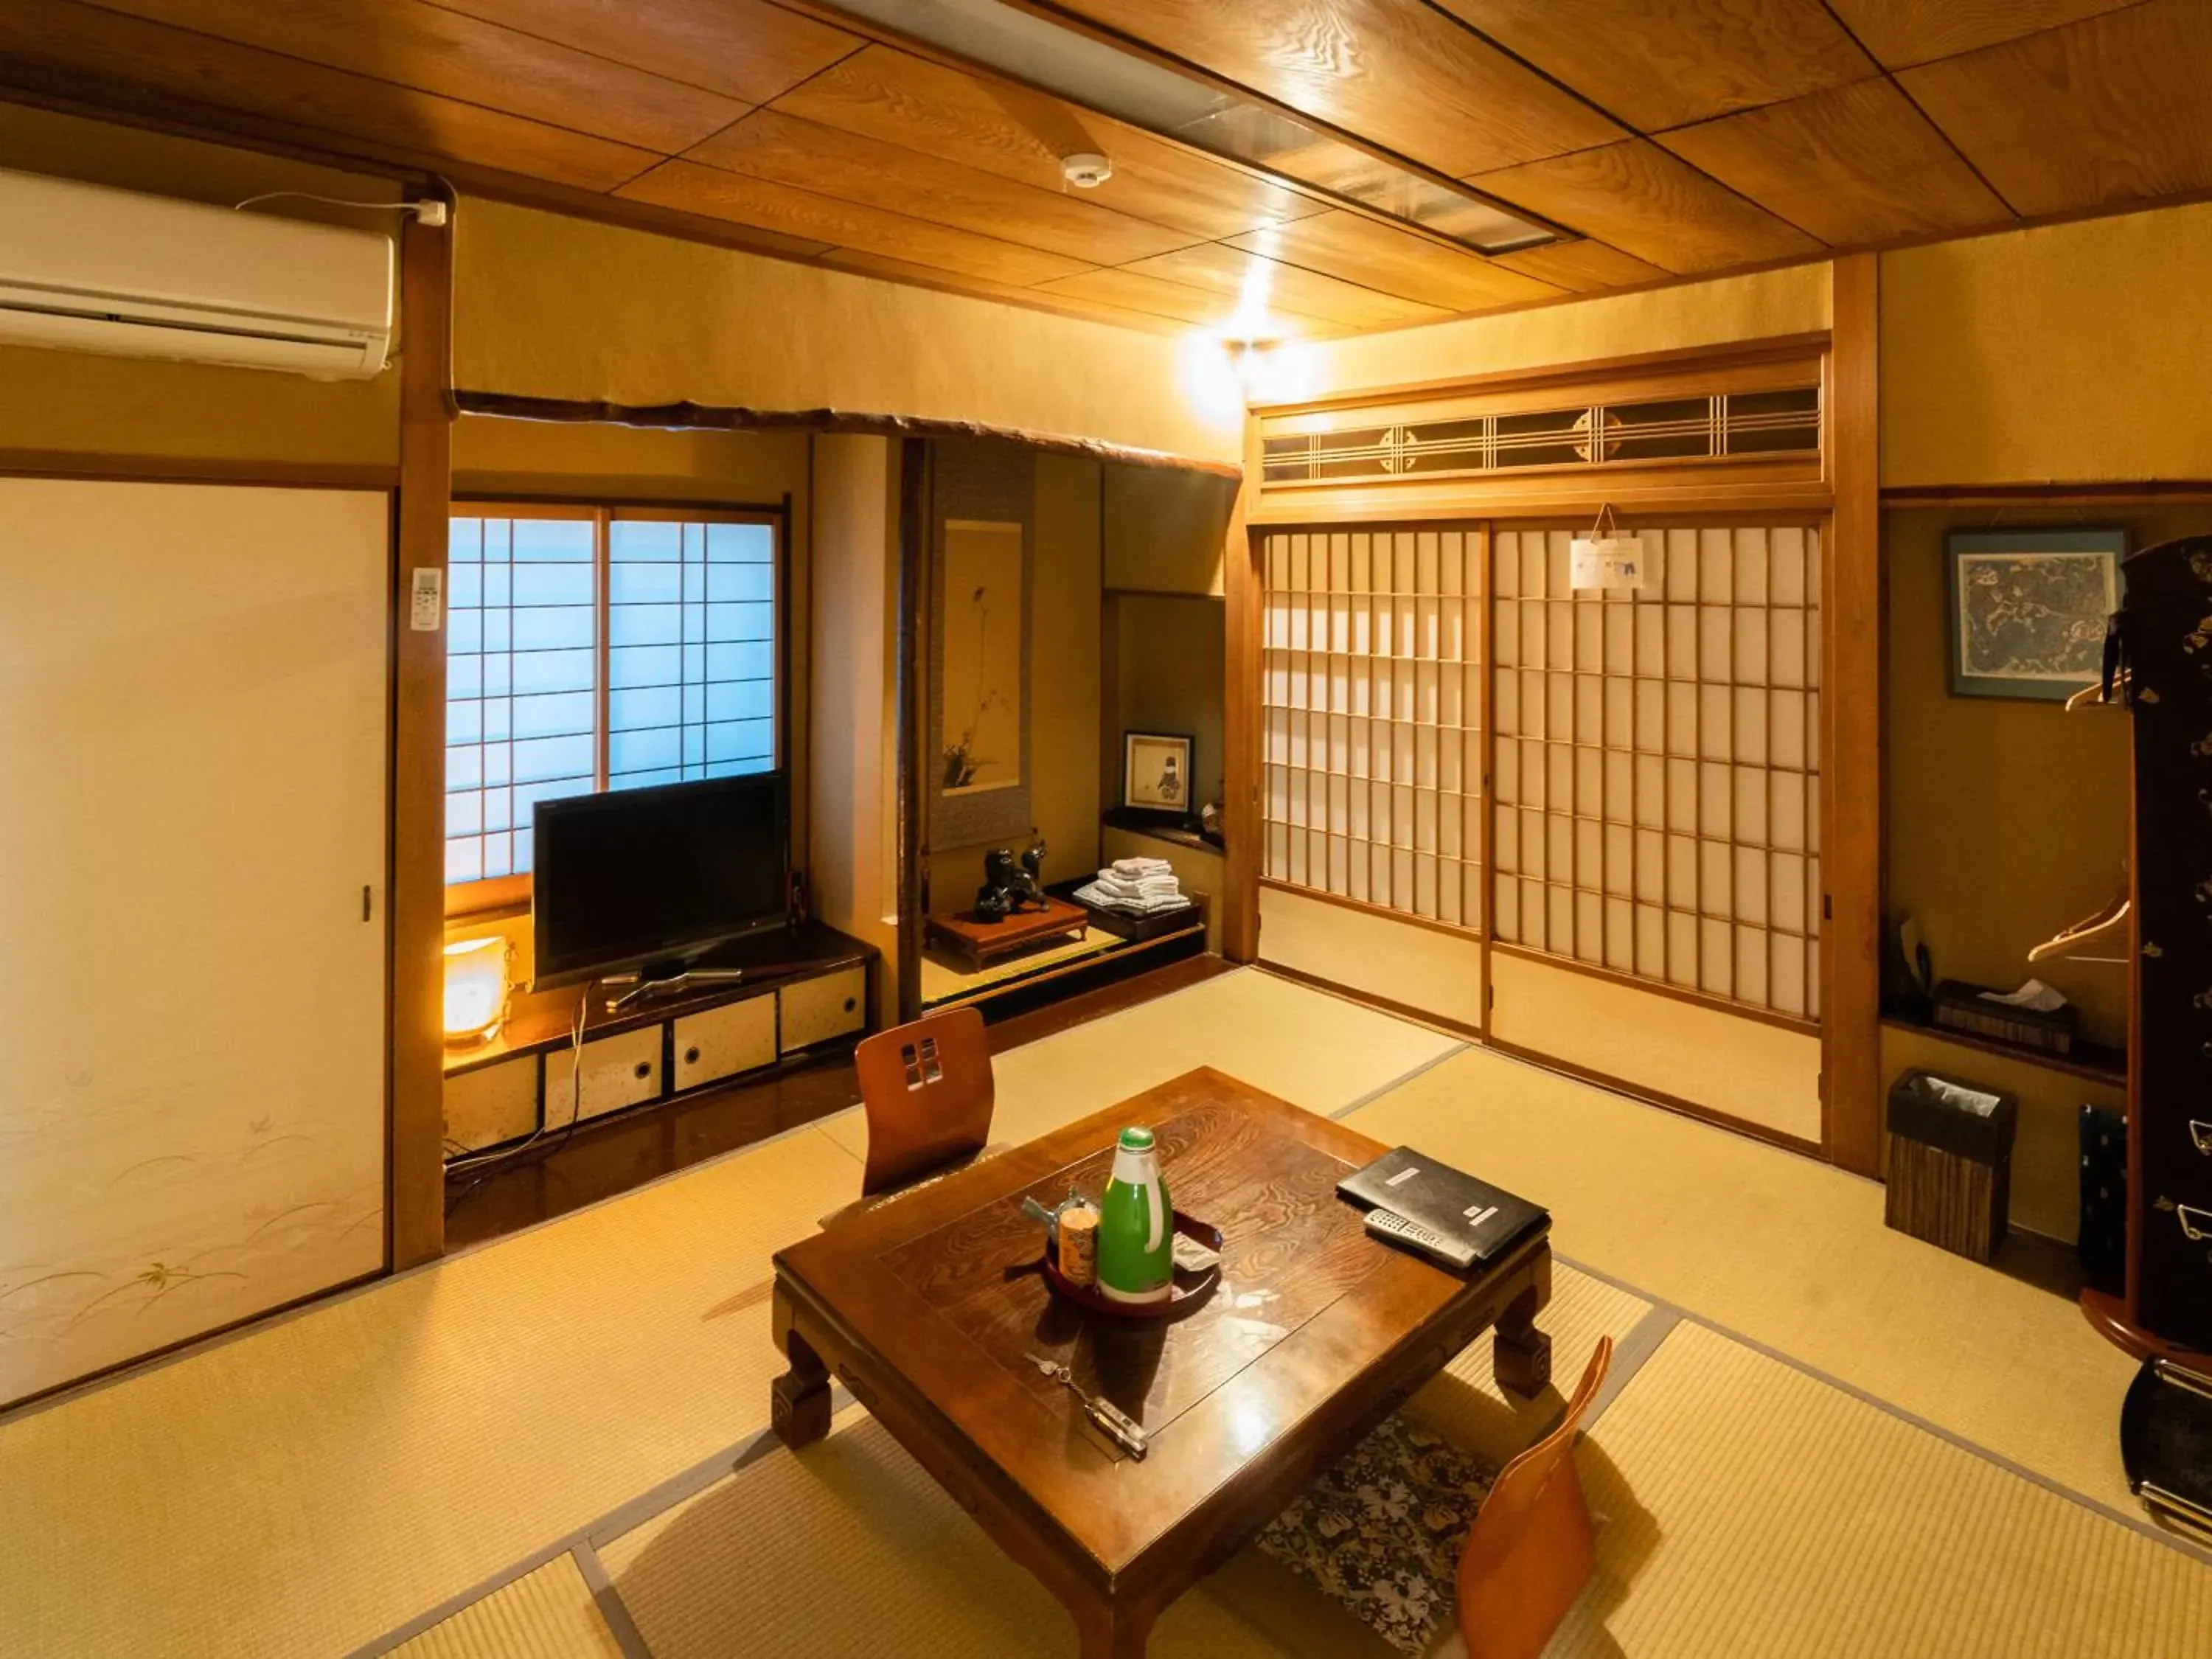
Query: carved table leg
(1521,1354)
(1107,1633)
(798,1400)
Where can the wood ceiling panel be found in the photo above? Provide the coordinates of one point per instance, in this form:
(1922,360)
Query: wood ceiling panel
(1397,72)
(1232,273)
(110,58)
(1134,291)
(695,189)
(1044,298)
(833,162)
(1851,165)
(746,49)
(1902,32)
(884,93)
(1637,197)
(1379,257)
(432,50)
(1667,62)
(1583,266)
(2115,109)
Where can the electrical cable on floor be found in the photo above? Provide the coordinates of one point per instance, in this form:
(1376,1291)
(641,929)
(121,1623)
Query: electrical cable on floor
(489,1163)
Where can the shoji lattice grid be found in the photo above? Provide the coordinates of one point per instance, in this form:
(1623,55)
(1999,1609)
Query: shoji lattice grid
(521,683)
(691,650)
(1373,693)
(1658,777)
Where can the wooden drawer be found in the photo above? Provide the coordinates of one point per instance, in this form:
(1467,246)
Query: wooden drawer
(491,1104)
(617,1071)
(723,1042)
(816,1010)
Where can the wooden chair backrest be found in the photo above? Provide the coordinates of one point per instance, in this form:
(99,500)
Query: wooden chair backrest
(928,1090)
(1530,1550)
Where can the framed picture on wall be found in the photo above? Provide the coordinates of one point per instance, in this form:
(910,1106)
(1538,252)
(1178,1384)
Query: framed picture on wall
(1155,773)
(2028,608)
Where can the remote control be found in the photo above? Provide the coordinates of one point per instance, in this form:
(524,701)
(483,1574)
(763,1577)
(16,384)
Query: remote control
(1394,1229)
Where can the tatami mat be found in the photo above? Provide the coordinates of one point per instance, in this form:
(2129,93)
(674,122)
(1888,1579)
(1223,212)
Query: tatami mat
(848,1548)
(1746,1508)
(1322,1052)
(314,1484)
(308,1486)
(546,1614)
(1468,1404)
(1787,1251)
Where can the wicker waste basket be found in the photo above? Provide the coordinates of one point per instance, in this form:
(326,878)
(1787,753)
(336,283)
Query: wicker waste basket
(1950,1162)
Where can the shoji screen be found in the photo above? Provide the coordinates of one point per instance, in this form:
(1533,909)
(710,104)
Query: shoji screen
(1373,759)
(1658,767)
(193,703)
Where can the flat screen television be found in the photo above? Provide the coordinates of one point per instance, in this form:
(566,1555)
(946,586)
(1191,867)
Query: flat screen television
(637,877)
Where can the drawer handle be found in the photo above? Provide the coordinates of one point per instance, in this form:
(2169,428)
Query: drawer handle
(851,1003)
(691,1056)
(2196,1224)
(2201,1133)
(644,1070)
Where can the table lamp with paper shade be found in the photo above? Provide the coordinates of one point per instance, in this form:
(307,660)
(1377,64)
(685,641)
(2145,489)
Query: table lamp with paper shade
(476,988)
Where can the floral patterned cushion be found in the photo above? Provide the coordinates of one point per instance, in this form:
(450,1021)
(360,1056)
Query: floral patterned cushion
(1382,1531)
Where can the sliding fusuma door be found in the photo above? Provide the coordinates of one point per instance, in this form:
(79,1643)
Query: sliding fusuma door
(194,703)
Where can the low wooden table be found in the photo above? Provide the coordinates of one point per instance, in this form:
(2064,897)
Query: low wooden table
(982,943)
(923,1307)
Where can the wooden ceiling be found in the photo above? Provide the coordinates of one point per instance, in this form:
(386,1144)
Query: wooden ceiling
(1664,137)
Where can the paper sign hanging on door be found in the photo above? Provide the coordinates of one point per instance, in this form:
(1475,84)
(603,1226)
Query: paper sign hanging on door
(1613,562)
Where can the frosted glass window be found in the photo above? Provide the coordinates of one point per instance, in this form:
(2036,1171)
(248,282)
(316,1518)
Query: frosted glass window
(692,651)
(599,648)
(521,683)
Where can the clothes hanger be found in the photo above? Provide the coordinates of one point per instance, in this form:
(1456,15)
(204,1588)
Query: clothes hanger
(2063,943)
(2093,696)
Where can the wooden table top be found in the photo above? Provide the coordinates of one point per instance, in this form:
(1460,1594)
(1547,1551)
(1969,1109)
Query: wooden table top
(1313,1330)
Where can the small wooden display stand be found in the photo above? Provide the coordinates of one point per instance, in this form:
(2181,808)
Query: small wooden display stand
(979,943)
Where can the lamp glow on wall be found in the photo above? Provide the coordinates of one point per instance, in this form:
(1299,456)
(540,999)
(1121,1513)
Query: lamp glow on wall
(477,985)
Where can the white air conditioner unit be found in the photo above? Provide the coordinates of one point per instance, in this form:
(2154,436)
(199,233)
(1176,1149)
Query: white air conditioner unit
(90,269)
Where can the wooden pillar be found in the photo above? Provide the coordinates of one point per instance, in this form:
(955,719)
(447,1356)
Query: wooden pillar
(417,887)
(1851,705)
(1241,723)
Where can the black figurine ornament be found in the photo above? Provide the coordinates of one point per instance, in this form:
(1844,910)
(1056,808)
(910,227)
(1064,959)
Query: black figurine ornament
(1010,885)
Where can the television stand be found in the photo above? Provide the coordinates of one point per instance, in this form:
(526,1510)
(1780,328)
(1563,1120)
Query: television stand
(664,980)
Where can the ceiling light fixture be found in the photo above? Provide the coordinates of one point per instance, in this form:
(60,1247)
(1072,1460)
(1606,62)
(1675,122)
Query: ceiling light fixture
(1145,93)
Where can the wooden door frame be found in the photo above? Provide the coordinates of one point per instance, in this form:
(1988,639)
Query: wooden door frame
(415,889)
(1851,706)
(1847,507)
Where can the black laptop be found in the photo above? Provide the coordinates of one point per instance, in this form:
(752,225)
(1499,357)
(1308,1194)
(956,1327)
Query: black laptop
(1483,1220)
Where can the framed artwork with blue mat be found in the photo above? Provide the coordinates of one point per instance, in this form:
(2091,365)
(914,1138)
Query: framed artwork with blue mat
(2028,609)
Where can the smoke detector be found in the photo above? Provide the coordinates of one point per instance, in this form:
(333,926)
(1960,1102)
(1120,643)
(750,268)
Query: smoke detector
(1086,171)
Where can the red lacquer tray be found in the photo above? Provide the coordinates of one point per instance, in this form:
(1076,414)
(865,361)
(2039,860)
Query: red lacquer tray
(1188,1291)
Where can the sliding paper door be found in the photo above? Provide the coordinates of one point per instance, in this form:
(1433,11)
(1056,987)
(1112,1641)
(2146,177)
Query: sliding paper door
(1657,814)
(193,709)
(1372,690)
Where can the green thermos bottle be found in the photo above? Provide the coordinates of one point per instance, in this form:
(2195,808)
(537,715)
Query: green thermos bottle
(1136,1225)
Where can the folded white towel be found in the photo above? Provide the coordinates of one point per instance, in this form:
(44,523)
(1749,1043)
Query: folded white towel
(1099,896)
(1140,867)
(1154,887)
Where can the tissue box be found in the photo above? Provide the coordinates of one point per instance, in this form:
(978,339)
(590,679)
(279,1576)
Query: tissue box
(1962,1007)
(1948,1163)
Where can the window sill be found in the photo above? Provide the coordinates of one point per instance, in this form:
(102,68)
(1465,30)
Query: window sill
(488,901)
